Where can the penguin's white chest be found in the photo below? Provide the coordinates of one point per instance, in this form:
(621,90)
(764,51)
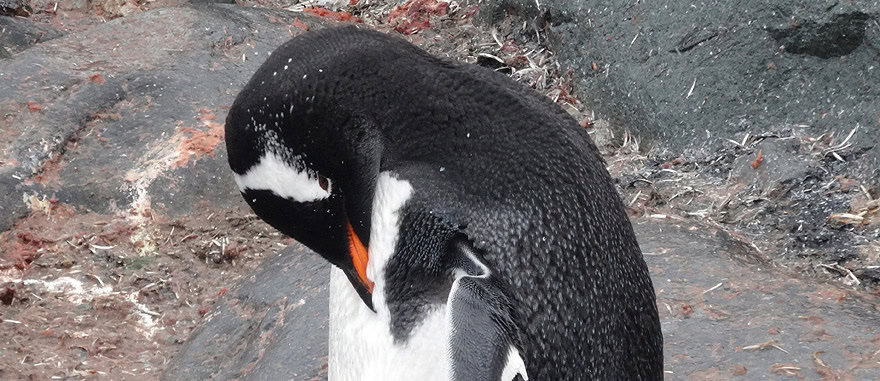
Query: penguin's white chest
(363,349)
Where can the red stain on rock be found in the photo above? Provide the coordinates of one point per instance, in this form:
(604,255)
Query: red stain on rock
(414,15)
(96,78)
(50,171)
(708,374)
(300,25)
(687,310)
(815,334)
(28,240)
(18,255)
(827,296)
(328,14)
(33,106)
(517,61)
(200,142)
(509,46)
(565,89)
(815,320)
(206,114)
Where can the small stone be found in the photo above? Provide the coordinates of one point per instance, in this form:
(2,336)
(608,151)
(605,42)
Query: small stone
(7,295)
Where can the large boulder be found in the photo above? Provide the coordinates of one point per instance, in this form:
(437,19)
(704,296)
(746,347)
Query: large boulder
(685,76)
(121,117)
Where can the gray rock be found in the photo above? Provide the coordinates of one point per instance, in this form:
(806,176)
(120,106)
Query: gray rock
(14,8)
(685,75)
(735,301)
(780,164)
(271,326)
(121,105)
(212,1)
(19,34)
(870,274)
(718,301)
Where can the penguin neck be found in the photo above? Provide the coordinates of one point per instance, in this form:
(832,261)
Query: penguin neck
(389,197)
(362,345)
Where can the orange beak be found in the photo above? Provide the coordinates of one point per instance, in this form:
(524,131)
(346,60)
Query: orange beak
(359,258)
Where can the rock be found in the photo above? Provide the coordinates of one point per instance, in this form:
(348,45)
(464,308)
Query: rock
(779,163)
(715,317)
(271,326)
(20,34)
(685,76)
(111,9)
(212,1)
(837,36)
(710,317)
(128,114)
(332,5)
(7,294)
(869,274)
(15,8)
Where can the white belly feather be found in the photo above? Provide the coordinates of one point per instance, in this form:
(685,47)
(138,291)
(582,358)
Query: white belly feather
(362,348)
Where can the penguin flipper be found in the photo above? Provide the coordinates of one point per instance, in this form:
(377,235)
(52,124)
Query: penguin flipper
(484,338)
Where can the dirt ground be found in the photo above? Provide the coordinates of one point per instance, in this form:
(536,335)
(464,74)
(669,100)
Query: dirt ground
(86,295)
(89,295)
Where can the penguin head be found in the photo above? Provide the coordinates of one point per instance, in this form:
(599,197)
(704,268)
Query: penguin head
(301,180)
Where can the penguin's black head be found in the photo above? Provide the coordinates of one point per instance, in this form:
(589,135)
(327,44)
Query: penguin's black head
(296,172)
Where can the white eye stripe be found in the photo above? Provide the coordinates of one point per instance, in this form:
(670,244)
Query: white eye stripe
(274,174)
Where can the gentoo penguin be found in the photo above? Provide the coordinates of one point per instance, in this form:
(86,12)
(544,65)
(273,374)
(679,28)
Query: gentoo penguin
(474,230)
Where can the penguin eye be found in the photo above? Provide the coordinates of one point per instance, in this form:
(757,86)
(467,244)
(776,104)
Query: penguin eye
(324,183)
